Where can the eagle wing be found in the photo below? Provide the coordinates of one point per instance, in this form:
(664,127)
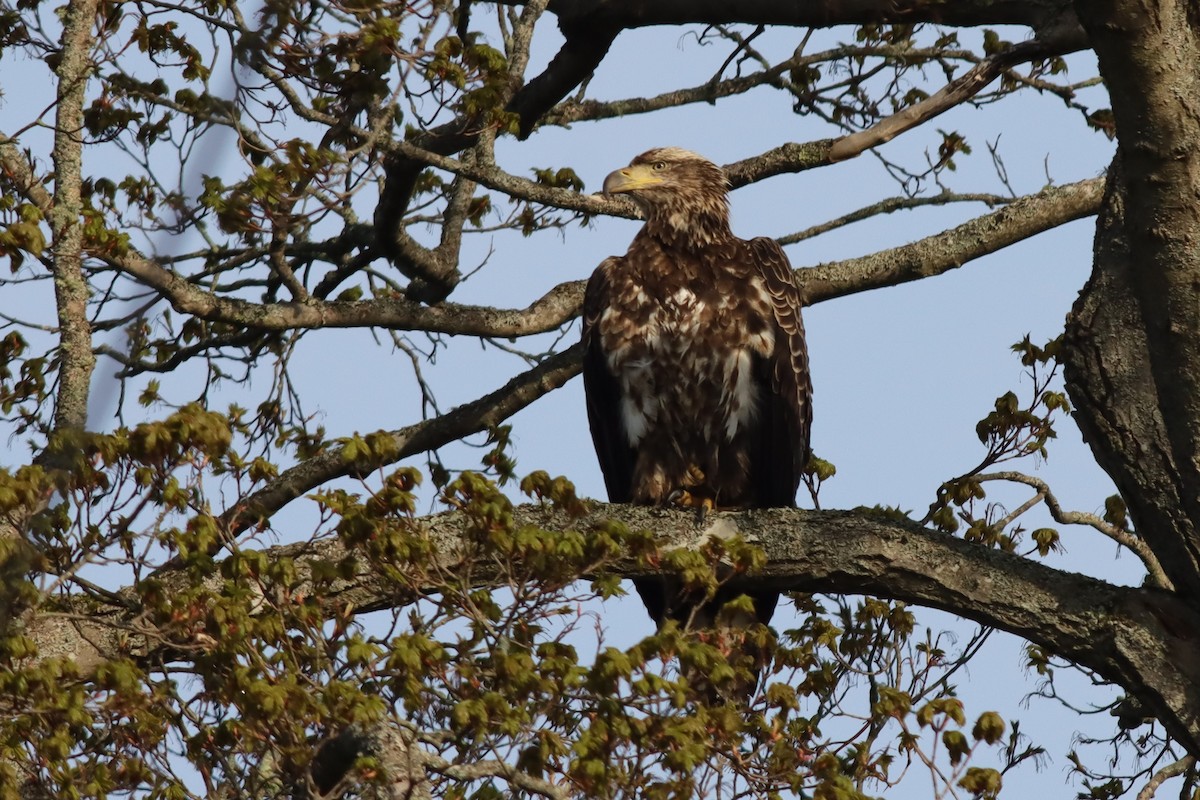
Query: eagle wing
(779,442)
(786,410)
(617,458)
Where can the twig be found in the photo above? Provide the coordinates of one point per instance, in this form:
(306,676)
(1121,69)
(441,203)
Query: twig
(1122,537)
(889,205)
(955,92)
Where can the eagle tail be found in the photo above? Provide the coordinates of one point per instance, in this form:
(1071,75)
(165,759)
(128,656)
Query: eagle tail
(748,642)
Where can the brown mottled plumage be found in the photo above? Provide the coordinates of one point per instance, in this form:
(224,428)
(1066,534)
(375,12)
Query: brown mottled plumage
(695,368)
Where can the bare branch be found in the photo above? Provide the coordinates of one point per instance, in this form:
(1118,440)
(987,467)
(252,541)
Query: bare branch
(625,14)
(570,111)
(1122,537)
(494,178)
(469,418)
(957,91)
(787,158)
(1024,217)
(890,205)
(551,310)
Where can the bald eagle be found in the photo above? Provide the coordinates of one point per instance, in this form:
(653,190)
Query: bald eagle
(695,366)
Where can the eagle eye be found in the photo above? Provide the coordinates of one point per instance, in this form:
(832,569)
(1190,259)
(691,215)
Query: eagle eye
(659,165)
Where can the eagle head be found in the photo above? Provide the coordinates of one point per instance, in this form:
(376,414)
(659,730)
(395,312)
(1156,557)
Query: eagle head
(684,196)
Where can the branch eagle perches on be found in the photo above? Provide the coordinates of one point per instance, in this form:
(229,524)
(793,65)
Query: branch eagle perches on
(1131,636)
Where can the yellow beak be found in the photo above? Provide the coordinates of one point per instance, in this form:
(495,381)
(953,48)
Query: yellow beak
(631,178)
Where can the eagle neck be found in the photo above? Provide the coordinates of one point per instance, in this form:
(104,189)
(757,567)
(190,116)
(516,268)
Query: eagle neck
(691,231)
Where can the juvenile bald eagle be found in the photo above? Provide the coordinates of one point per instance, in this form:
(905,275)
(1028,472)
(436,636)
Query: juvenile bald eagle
(695,366)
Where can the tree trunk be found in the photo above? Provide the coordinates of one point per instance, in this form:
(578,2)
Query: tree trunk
(1132,349)
(1133,358)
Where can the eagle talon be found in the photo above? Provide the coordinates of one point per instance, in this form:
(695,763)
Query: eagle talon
(685,498)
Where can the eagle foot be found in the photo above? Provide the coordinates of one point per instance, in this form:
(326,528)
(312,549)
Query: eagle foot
(686,498)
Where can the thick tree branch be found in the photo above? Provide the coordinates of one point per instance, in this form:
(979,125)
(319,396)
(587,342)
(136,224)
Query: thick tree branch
(625,14)
(554,308)
(18,171)
(1144,640)
(1172,770)
(786,159)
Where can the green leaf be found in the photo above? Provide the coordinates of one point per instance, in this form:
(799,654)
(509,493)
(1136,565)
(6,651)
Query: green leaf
(957,746)
(989,727)
(982,782)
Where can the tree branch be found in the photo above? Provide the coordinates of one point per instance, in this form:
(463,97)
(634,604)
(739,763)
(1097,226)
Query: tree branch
(478,415)
(1127,539)
(557,306)
(625,14)
(571,111)
(76,360)
(934,255)
(1171,770)
(1020,219)
(890,205)
(18,171)
(957,91)
(1142,639)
